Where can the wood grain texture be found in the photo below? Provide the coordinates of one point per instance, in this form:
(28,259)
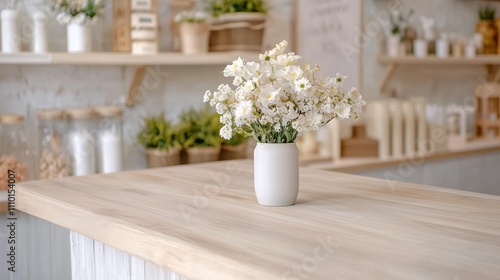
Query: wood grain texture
(203,222)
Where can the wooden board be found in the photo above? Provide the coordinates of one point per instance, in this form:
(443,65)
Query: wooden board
(121,26)
(203,222)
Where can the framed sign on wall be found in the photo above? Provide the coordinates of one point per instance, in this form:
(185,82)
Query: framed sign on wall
(328,33)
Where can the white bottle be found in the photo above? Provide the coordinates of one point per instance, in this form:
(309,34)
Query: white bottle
(409,127)
(11,42)
(396,117)
(442,48)
(420,106)
(40,44)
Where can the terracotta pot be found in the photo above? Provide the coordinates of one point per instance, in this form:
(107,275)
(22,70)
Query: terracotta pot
(229,152)
(160,158)
(487,28)
(202,154)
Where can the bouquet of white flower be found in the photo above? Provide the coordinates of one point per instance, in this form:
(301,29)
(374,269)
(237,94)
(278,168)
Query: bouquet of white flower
(78,11)
(277,99)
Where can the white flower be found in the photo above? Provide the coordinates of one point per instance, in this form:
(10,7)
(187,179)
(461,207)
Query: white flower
(339,78)
(235,69)
(226,132)
(281,95)
(293,72)
(302,84)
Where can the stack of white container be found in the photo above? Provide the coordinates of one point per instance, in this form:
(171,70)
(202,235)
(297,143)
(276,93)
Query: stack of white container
(144,24)
(400,127)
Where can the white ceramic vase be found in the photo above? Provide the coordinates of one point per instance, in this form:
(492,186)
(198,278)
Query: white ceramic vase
(194,37)
(79,37)
(276,174)
(393,45)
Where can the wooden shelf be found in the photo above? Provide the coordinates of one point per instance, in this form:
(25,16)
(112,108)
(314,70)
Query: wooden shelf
(491,61)
(115,58)
(352,165)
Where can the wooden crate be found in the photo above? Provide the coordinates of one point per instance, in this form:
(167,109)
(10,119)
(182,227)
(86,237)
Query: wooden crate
(487,123)
(237,32)
(121,26)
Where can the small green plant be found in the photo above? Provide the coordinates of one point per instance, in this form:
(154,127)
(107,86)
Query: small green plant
(158,133)
(200,128)
(487,13)
(217,7)
(399,21)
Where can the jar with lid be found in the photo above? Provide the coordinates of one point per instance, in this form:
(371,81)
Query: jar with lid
(80,141)
(13,149)
(52,159)
(109,139)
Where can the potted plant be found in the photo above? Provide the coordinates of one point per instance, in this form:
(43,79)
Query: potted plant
(234,148)
(199,135)
(275,99)
(398,29)
(78,15)
(160,138)
(194,31)
(238,24)
(486,27)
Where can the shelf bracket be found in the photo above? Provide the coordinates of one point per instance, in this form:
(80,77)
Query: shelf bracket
(139,74)
(387,77)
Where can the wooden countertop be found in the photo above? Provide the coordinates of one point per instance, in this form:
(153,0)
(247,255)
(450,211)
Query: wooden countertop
(203,222)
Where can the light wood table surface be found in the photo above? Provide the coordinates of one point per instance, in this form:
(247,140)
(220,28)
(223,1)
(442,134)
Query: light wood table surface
(203,222)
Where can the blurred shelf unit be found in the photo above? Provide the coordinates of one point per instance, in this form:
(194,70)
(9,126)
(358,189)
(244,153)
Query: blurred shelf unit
(492,63)
(142,62)
(487,98)
(117,58)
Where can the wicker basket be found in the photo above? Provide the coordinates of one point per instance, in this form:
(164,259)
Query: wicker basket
(202,154)
(237,32)
(160,158)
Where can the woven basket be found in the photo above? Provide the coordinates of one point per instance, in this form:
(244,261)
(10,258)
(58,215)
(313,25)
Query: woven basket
(237,32)
(159,158)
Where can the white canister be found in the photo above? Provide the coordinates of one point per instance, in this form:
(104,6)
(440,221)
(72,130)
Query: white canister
(396,128)
(79,37)
(478,42)
(109,139)
(420,105)
(40,42)
(470,50)
(420,48)
(276,173)
(376,117)
(409,127)
(393,45)
(442,48)
(11,39)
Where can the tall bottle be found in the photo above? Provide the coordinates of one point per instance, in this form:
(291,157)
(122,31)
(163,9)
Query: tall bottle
(11,39)
(40,42)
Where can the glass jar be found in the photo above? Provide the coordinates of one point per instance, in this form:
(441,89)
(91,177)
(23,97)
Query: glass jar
(80,141)
(13,149)
(109,139)
(51,156)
